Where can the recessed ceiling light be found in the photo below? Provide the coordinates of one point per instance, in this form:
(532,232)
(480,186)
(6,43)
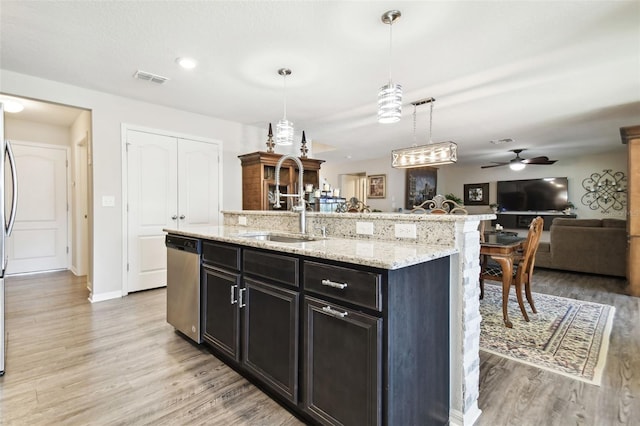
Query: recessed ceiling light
(12,106)
(187,63)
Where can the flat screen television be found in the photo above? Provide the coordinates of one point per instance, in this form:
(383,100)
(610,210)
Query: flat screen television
(544,194)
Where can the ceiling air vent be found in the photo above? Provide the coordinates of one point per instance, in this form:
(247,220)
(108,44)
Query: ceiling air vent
(147,76)
(501,141)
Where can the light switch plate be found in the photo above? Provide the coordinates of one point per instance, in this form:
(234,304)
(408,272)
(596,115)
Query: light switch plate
(405,230)
(108,201)
(364,228)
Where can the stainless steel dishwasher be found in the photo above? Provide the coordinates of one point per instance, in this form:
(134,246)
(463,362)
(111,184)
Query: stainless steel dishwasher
(183,285)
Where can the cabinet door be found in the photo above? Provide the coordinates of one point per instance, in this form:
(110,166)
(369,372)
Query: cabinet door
(342,377)
(270,348)
(220,323)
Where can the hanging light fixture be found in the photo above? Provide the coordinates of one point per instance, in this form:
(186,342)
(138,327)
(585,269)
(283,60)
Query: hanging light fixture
(390,95)
(284,128)
(432,154)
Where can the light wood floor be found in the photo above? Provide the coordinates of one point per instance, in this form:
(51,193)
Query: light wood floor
(512,393)
(119,362)
(114,362)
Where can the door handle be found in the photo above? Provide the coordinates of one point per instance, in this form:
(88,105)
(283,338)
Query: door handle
(181,217)
(14,201)
(174,217)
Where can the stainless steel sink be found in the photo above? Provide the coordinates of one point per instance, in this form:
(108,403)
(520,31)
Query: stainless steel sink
(278,238)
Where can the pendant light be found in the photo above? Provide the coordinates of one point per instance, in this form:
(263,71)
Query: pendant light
(284,128)
(390,95)
(431,154)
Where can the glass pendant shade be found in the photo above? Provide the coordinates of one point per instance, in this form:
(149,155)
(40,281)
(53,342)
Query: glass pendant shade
(284,128)
(390,103)
(517,166)
(390,95)
(284,132)
(432,154)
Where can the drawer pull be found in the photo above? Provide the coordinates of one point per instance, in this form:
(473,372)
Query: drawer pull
(333,312)
(233,294)
(334,284)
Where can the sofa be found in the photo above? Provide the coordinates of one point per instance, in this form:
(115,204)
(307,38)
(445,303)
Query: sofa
(597,246)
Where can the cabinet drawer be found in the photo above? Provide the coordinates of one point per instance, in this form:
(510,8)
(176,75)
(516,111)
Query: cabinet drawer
(221,255)
(275,267)
(351,285)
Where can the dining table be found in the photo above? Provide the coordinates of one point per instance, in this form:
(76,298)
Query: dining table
(503,248)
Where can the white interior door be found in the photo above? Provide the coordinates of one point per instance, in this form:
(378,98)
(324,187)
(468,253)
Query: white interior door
(152,205)
(39,241)
(198,183)
(171,183)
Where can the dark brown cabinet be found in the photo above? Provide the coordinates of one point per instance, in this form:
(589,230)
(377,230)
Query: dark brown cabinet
(336,343)
(342,364)
(221,317)
(258,178)
(221,281)
(253,320)
(270,347)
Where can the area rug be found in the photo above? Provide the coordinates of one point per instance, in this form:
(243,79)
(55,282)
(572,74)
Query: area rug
(566,336)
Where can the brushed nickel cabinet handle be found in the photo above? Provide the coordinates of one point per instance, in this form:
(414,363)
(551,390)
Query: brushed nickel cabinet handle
(334,284)
(241,303)
(233,294)
(333,312)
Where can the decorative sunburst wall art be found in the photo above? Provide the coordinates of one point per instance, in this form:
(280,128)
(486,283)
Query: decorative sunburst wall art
(605,191)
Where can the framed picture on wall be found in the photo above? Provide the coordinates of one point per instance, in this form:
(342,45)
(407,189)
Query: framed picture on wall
(476,194)
(420,185)
(377,186)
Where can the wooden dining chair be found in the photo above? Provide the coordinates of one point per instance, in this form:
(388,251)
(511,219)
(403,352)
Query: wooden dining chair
(523,265)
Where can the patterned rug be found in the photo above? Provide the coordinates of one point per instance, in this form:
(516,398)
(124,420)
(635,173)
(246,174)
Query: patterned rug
(566,336)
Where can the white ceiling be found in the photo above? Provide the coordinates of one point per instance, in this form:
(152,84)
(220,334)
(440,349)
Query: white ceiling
(559,77)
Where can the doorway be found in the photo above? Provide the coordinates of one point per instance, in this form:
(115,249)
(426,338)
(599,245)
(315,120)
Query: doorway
(49,130)
(354,185)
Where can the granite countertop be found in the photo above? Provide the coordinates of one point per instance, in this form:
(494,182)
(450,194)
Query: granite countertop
(378,254)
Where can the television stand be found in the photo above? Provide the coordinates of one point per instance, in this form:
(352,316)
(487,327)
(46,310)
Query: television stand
(521,220)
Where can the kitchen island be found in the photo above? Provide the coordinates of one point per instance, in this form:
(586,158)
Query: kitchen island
(406,275)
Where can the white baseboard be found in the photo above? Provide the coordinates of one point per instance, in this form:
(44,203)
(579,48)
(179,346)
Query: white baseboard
(93,298)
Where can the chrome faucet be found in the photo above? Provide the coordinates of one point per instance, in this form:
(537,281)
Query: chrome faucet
(301,207)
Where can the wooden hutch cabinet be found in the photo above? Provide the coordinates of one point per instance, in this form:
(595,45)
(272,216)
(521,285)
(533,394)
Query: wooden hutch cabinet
(259,178)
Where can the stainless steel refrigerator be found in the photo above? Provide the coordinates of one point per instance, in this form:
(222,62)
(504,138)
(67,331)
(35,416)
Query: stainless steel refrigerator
(8,188)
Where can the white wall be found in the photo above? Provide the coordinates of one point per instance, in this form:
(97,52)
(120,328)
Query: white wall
(108,114)
(451,178)
(22,130)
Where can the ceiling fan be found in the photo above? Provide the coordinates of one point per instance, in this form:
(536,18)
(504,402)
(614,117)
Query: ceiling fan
(519,163)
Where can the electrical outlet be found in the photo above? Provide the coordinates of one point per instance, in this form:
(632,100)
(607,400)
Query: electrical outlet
(364,228)
(242,220)
(406,230)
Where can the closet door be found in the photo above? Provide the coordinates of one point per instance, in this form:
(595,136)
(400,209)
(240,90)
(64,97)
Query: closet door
(198,183)
(171,183)
(152,205)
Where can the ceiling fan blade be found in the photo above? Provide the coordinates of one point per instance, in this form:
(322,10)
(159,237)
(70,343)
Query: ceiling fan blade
(539,160)
(494,165)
